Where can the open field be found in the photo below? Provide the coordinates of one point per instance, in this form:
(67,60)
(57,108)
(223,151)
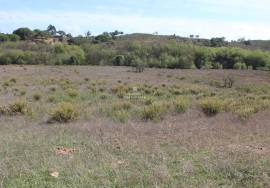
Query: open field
(87,126)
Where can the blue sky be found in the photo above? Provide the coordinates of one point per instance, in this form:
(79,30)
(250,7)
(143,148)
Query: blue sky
(207,18)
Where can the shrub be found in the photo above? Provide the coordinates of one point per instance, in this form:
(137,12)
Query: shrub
(181,104)
(12,57)
(211,106)
(64,112)
(119,60)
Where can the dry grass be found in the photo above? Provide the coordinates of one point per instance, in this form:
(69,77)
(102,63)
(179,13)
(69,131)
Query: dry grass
(115,128)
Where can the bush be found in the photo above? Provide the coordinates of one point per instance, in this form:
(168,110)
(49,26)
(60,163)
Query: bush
(12,57)
(203,58)
(64,112)
(119,60)
(69,55)
(211,106)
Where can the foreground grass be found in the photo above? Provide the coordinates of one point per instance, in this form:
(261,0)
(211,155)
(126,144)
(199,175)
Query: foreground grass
(29,156)
(77,132)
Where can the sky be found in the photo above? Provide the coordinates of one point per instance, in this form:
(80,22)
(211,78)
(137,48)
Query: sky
(232,19)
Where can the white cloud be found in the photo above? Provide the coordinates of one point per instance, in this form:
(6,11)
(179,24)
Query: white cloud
(80,22)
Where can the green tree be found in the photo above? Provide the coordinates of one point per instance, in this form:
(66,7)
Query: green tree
(52,30)
(24,33)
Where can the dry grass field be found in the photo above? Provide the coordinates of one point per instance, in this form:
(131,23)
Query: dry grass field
(76,126)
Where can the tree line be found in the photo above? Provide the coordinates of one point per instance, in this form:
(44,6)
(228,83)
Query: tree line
(108,49)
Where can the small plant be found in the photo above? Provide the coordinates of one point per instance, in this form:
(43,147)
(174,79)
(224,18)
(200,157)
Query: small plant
(72,93)
(64,112)
(36,96)
(181,104)
(211,106)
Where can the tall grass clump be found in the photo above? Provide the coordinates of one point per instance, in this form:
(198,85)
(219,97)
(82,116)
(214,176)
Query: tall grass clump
(211,105)
(18,107)
(154,111)
(181,104)
(64,112)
